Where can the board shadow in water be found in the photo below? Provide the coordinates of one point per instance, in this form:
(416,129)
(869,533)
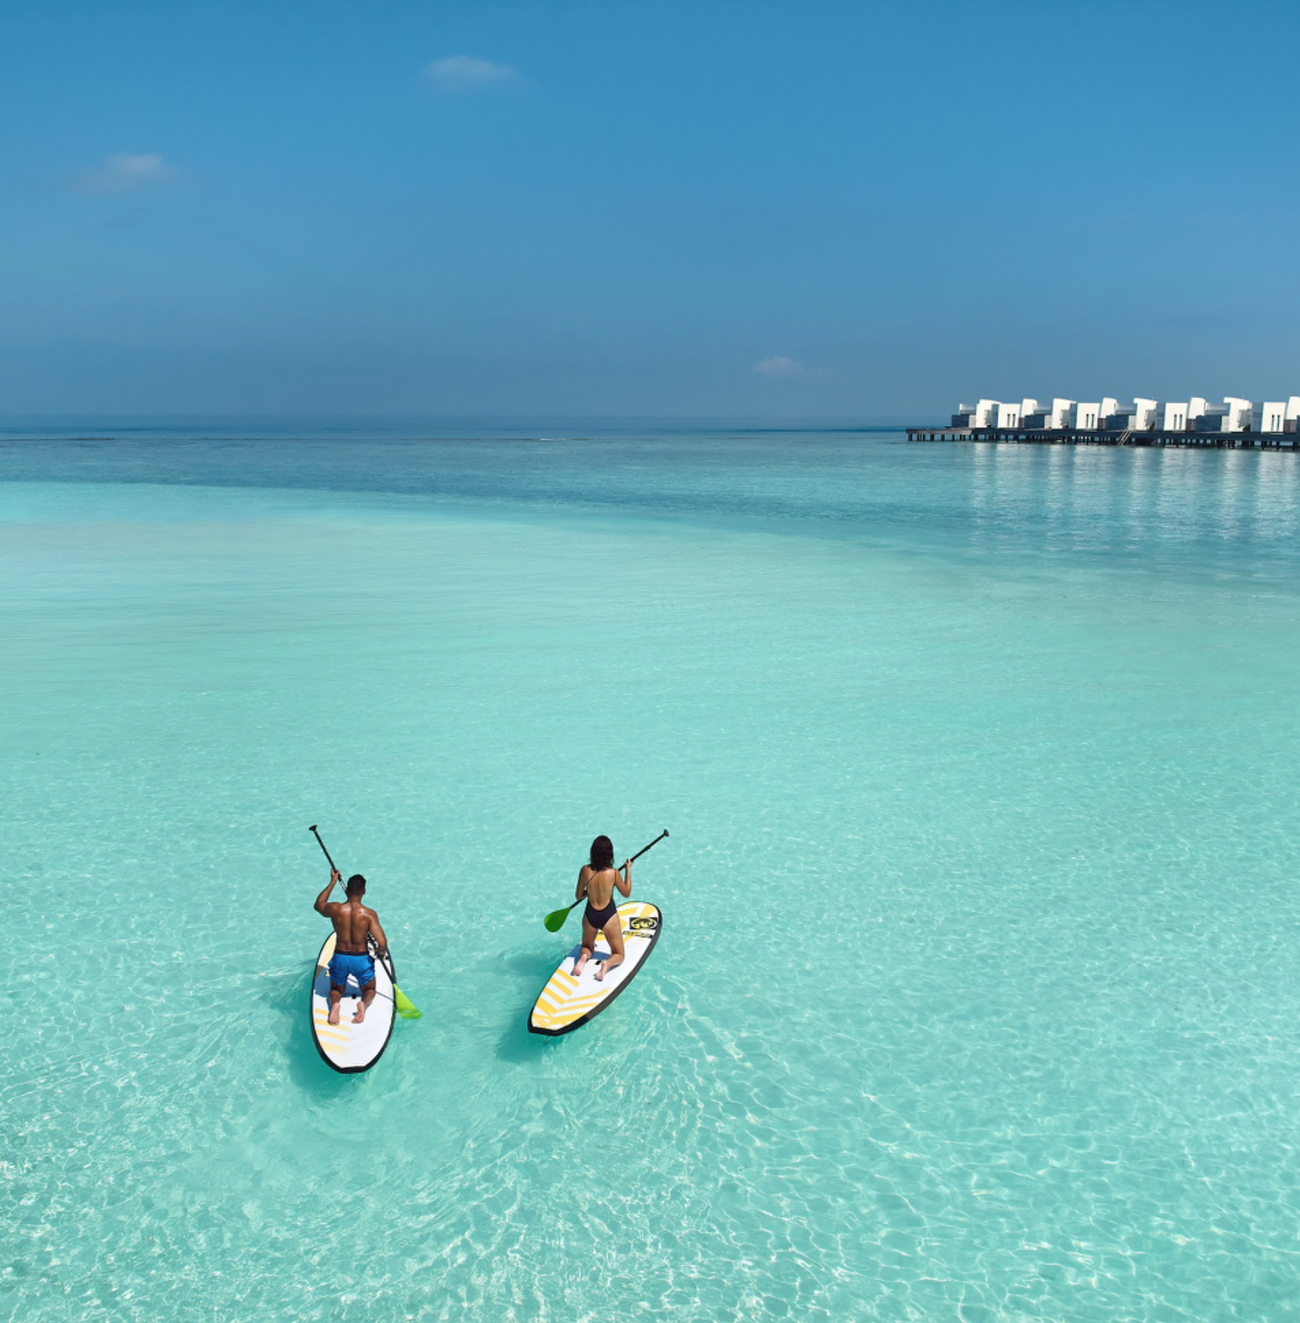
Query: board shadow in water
(517,1045)
(534,966)
(530,969)
(287,993)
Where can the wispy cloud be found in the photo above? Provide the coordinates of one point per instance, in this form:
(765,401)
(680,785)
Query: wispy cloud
(778,366)
(781,366)
(465,73)
(124,173)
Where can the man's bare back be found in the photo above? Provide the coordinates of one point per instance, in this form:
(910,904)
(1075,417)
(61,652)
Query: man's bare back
(353,923)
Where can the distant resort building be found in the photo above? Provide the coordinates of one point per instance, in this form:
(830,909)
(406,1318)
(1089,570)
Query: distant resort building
(1141,415)
(1235,423)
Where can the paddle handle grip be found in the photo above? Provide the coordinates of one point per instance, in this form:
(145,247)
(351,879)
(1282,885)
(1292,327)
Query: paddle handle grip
(321,843)
(639,853)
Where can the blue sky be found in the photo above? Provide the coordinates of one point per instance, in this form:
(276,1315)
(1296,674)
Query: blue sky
(755,209)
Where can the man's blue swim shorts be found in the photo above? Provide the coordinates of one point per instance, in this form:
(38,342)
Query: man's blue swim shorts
(360,966)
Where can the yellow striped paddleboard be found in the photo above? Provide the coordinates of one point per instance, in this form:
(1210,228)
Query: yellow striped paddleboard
(566,1002)
(345,1046)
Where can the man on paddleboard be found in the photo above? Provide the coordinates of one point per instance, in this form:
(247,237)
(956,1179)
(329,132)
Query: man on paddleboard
(353,922)
(597,881)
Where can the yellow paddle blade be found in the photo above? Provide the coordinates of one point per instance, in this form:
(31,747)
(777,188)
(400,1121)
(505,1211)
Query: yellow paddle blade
(405,1007)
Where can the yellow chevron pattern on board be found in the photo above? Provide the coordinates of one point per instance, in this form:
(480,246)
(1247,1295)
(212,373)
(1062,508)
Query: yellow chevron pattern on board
(333,1035)
(576,1004)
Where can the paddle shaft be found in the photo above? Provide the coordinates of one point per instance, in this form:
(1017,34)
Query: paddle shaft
(387,959)
(656,841)
(321,843)
(633,860)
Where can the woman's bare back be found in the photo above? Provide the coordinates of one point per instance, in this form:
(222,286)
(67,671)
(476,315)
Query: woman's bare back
(598,887)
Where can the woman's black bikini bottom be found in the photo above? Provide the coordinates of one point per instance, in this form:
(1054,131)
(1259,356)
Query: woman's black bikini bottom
(599,918)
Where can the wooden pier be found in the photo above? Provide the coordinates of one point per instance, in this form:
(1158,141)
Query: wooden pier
(1064,437)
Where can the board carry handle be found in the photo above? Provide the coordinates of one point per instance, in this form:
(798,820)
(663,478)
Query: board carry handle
(555,919)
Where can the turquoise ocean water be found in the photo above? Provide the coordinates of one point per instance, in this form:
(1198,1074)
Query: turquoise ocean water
(977,994)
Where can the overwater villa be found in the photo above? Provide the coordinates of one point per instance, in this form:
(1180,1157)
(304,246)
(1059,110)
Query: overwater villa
(1236,423)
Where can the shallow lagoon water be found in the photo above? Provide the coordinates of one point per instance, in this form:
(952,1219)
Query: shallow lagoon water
(977,991)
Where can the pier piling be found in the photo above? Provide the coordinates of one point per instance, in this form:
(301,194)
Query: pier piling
(1058,437)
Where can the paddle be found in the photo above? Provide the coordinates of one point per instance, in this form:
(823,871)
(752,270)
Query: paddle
(555,919)
(405,1007)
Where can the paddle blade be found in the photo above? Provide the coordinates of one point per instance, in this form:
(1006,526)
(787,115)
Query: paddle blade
(555,920)
(405,1007)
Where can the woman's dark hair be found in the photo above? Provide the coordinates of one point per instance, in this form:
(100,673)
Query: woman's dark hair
(602,854)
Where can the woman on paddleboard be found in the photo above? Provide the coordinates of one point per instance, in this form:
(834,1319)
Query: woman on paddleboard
(597,881)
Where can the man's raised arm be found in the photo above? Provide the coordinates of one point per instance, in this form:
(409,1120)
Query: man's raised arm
(322,905)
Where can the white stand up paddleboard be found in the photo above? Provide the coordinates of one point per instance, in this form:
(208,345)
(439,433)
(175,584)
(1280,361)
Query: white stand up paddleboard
(345,1046)
(566,1002)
